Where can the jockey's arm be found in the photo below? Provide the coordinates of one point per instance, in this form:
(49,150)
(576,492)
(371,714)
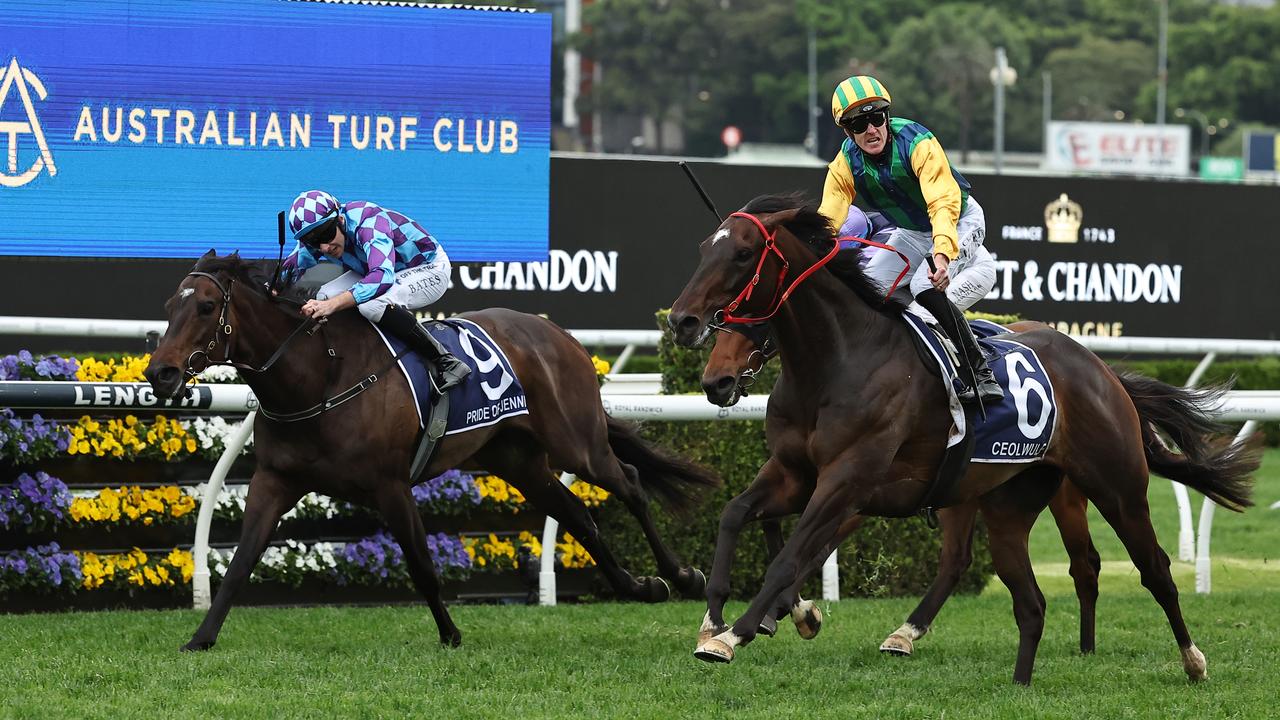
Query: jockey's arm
(381,252)
(941,194)
(837,193)
(297,262)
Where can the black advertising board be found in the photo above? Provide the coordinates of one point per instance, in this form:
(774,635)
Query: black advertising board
(1132,257)
(1114,257)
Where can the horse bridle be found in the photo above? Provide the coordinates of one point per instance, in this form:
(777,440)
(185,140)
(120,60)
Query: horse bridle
(308,325)
(725,316)
(765,350)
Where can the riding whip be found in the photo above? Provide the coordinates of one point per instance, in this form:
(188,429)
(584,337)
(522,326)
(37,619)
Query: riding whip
(701,193)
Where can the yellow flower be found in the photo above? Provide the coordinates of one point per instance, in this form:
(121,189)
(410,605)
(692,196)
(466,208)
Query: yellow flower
(602,366)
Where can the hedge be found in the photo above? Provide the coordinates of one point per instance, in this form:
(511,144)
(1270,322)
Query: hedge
(885,557)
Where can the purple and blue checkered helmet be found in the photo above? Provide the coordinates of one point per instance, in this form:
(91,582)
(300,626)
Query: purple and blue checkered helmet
(310,209)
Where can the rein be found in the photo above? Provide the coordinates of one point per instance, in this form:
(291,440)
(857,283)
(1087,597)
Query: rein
(308,325)
(780,296)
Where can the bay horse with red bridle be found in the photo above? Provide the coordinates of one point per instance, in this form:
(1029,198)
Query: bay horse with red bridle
(360,450)
(737,357)
(859,420)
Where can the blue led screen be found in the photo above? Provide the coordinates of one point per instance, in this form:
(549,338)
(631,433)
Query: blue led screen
(161,129)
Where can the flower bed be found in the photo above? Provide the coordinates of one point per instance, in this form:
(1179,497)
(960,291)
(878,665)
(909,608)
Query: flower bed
(120,534)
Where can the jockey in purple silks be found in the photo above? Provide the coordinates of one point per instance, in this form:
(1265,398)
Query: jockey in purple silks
(394,267)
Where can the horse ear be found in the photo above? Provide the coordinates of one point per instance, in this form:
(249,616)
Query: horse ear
(210,254)
(773,220)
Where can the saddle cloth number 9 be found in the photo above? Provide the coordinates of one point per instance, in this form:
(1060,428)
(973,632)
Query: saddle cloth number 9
(485,365)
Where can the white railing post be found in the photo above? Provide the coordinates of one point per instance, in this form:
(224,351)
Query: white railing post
(547,575)
(1186,530)
(1203,568)
(623,357)
(831,578)
(201,596)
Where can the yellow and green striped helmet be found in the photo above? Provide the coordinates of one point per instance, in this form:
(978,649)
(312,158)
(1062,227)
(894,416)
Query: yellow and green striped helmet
(858,94)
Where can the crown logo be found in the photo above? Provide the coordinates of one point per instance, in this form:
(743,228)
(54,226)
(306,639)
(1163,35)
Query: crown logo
(1062,218)
(21,82)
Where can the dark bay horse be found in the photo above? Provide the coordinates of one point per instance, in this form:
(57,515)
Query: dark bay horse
(858,420)
(736,358)
(360,451)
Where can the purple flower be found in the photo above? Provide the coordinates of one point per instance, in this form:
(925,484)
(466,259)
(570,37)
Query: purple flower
(379,558)
(29,441)
(34,502)
(451,492)
(42,568)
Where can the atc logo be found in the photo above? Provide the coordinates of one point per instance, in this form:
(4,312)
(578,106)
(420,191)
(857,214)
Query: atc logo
(16,79)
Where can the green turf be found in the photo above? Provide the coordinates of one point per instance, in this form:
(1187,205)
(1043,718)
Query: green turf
(611,660)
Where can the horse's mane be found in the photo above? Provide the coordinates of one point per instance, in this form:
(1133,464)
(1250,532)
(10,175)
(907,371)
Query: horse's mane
(813,230)
(254,274)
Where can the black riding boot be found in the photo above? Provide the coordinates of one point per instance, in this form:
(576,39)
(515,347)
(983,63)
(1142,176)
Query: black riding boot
(957,328)
(447,370)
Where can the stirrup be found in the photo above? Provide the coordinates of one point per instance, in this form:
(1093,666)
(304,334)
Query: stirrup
(451,377)
(988,389)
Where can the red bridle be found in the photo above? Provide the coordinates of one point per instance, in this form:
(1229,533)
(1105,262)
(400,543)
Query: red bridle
(780,296)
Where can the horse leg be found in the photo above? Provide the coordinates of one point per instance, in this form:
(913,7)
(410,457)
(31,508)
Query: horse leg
(527,470)
(1010,510)
(954,558)
(395,504)
(772,531)
(1122,500)
(769,496)
(625,484)
(805,614)
(269,498)
(1070,511)
(831,504)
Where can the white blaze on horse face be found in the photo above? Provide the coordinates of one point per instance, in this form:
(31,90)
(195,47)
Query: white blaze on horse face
(721,234)
(186,293)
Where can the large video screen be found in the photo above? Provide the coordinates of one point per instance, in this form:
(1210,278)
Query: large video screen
(163,129)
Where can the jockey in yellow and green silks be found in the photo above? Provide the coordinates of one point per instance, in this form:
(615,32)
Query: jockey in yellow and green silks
(898,168)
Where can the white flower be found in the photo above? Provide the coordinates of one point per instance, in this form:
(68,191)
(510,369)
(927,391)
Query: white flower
(219,374)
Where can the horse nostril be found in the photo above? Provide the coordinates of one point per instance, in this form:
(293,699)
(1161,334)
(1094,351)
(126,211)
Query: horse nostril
(725,385)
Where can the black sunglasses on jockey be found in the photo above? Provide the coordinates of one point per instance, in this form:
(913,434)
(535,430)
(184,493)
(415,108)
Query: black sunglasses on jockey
(858,123)
(320,234)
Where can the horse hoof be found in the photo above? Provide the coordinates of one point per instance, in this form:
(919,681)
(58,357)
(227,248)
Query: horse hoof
(713,650)
(659,590)
(706,633)
(768,626)
(808,619)
(899,645)
(1194,663)
(452,640)
(196,646)
(691,583)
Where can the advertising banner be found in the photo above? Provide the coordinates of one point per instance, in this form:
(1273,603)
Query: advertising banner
(1119,148)
(1092,256)
(1131,257)
(161,129)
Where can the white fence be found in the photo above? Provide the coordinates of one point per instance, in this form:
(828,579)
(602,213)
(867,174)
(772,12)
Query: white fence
(646,384)
(1247,406)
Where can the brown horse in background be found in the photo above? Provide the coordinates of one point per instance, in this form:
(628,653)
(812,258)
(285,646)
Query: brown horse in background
(736,358)
(360,451)
(860,422)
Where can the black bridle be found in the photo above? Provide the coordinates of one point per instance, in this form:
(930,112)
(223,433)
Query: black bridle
(225,331)
(766,348)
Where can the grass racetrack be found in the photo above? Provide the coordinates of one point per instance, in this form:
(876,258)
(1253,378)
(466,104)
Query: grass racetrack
(613,660)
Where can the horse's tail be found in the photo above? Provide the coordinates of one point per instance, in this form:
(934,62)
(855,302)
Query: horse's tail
(1209,461)
(672,478)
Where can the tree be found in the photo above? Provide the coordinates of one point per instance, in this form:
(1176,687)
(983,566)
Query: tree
(938,67)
